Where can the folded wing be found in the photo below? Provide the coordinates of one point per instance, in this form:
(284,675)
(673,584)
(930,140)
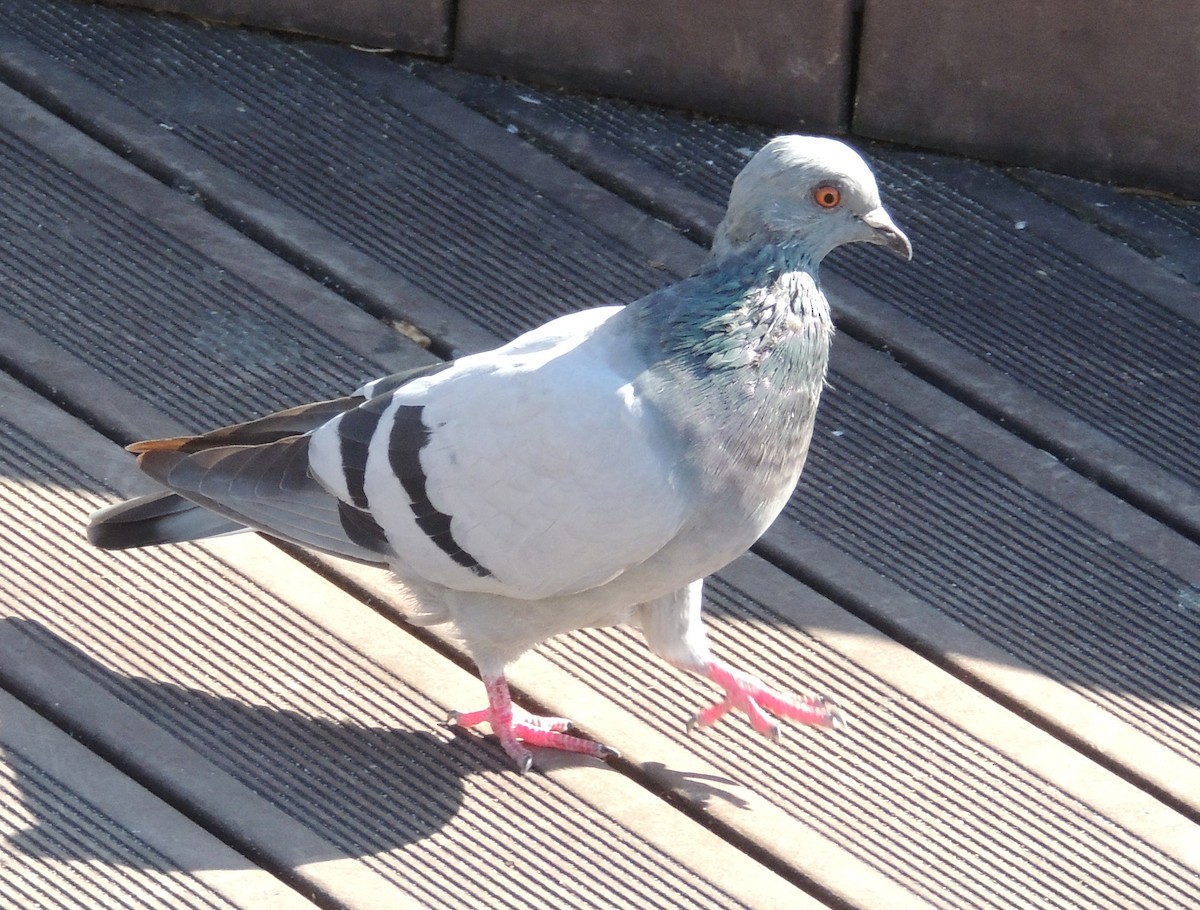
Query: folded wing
(532,471)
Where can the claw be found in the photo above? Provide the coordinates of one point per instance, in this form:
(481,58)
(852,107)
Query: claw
(759,720)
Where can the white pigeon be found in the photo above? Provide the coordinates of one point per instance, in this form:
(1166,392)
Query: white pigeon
(591,472)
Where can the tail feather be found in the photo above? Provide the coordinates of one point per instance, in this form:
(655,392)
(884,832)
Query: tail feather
(155,519)
(269,488)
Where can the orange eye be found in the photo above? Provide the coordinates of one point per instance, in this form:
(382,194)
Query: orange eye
(827,197)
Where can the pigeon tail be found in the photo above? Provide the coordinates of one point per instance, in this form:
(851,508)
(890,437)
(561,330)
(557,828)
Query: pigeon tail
(155,519)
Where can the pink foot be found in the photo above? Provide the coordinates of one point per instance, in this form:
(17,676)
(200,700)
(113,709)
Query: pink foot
(520,718)
(515,726)
(745,693)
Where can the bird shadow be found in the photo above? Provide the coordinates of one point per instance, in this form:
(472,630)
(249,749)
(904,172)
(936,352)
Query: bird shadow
(364,789)
(698,789)
(361,789)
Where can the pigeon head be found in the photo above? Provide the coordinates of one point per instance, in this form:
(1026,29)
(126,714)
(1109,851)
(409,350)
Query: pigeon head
(809,193)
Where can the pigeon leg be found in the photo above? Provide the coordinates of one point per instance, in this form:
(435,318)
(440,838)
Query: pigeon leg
(760,703)
(673,629)
(515,727)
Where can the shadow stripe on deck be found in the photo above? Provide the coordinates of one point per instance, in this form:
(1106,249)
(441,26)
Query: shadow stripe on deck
(75,833)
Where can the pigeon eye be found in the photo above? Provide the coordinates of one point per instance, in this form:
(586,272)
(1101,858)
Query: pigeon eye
(827,197)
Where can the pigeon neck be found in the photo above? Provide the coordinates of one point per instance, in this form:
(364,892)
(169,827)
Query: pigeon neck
(739,354)
(749,306)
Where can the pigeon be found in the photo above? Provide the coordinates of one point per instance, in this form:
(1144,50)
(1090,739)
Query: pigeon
(591,472)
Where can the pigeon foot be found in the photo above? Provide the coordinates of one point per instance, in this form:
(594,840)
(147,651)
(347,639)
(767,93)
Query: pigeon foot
(761,704)
(516,728)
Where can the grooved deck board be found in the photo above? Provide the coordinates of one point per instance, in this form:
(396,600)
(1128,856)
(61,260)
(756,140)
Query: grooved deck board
(289,122)
(1012,641)
(75,833)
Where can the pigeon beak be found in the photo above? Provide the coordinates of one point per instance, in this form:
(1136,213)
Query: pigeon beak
(885,233)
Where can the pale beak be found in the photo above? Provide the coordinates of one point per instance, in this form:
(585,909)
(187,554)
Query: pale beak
(885,233)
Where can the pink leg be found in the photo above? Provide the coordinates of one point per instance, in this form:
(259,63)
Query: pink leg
(745,693)
(514,726)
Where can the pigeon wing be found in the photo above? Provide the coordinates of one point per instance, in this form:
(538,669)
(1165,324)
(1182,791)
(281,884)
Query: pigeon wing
(268,487)
(531,472)
(170,517)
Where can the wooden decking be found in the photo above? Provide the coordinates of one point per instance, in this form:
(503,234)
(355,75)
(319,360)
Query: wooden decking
(992,562)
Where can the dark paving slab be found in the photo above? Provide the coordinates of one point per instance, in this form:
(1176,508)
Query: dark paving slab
(789,63)
(1105,90)
(416,26)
